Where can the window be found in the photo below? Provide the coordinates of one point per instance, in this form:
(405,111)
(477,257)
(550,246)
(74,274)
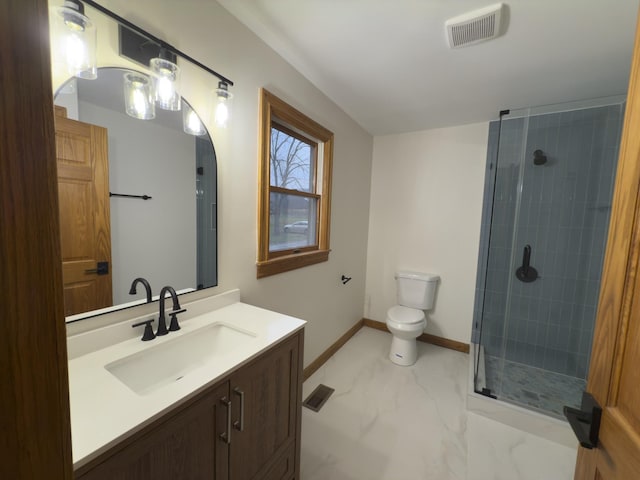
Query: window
(294,200)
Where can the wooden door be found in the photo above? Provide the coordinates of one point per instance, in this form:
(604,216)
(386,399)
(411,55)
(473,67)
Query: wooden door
(85,232)
(187,446)
(35,436)
(614,376)
(263,438)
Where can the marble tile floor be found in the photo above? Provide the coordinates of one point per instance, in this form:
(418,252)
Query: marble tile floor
(409,423)
(524,385)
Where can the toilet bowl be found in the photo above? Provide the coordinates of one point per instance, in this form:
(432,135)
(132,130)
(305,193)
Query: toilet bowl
(406,321)
(405,324)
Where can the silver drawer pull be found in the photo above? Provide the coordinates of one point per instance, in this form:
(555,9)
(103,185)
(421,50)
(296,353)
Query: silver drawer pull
(239,424)
(226,436)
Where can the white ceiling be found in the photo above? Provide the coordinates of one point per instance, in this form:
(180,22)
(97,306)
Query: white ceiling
(388,65)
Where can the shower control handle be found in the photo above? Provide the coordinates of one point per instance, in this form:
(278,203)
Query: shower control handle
(526,273)
(526,259)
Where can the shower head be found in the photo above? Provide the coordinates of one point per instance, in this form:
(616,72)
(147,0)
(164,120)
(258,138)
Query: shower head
(539,158)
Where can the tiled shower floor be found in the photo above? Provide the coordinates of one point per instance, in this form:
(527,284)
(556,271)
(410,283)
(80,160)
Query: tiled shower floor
(533,387)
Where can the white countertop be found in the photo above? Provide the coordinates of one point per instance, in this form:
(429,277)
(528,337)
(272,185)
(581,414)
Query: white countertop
(104,410)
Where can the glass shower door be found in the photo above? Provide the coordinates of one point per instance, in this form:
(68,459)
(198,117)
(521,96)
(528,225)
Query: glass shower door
(553,184)
(506,140)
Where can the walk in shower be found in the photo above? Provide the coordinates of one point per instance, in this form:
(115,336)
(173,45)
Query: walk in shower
(547,202)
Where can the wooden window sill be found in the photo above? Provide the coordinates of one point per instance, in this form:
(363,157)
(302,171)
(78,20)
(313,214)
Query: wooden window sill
(290,262)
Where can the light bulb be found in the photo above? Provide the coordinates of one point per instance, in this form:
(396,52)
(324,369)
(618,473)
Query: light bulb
(75,51)
(166,83)
(191,123)
(139,102)
(74,36)
(165,90)
(137,96)
(222,114)
(222,108)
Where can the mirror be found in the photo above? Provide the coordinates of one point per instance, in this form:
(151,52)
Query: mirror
(169,238)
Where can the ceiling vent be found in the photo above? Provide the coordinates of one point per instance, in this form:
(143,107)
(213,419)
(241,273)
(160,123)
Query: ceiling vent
(475,27)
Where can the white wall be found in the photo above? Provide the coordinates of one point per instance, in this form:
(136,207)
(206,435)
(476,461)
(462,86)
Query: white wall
(426,201)
(156,238)
(207,32)
(68,98)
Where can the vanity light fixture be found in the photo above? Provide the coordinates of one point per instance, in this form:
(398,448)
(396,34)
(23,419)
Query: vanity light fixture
(223,99)
(165,82)
(75,40)
(137,96)
(165,75)
(191,123)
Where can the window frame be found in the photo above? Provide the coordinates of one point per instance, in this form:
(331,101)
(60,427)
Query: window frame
(278,113)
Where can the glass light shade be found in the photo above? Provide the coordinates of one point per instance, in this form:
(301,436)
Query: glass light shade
(137,96)
(191,123)
(74,43)
(223,105)
(166,83)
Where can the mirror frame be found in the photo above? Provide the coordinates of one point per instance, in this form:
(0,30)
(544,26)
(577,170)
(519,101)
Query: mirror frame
(142,302)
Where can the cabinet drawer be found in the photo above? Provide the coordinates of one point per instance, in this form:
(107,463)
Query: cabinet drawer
(284,467)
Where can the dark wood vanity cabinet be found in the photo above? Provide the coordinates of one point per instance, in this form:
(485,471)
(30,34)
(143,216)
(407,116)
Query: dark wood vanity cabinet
(267,432)
(181,446)
(260,402)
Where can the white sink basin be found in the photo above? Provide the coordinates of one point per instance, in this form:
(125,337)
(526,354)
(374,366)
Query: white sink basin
(165,363)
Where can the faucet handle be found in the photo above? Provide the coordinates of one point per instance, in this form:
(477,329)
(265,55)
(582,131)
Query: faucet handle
(173,326)
(148,331)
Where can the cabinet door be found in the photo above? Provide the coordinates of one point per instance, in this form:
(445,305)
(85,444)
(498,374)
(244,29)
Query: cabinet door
(186,446)
(266,430)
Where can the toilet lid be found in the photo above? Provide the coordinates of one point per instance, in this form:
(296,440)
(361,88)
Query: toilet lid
(405,315)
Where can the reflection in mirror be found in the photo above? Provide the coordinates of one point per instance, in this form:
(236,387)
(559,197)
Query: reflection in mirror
(108,162)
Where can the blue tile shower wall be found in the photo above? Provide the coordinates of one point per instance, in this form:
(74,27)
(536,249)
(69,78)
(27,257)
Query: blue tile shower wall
(564,215)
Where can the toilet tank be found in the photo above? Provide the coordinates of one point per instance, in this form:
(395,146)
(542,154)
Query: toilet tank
(416,290)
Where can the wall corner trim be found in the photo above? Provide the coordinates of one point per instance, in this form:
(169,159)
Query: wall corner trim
(328,353)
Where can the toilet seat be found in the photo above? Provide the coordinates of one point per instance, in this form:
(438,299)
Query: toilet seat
(405,316)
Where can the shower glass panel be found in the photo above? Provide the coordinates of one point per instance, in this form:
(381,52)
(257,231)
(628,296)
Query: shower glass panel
(548,191)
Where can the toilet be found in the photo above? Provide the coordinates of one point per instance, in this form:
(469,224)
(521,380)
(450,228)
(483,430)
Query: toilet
(406,321)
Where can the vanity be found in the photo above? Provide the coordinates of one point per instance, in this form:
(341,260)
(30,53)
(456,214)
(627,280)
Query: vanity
(218,399)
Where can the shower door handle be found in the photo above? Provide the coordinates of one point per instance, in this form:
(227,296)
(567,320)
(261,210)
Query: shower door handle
(585,422)
(526,273)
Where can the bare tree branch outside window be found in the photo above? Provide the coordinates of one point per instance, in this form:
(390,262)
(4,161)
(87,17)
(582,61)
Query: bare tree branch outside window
(290,162)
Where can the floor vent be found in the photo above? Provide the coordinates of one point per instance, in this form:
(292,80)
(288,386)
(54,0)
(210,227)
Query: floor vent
(475,27)
(318,397)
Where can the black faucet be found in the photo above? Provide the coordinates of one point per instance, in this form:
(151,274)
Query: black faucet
(147,287)
(162,324)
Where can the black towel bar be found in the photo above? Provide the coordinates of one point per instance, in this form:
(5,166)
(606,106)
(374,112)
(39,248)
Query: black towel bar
(143,197)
